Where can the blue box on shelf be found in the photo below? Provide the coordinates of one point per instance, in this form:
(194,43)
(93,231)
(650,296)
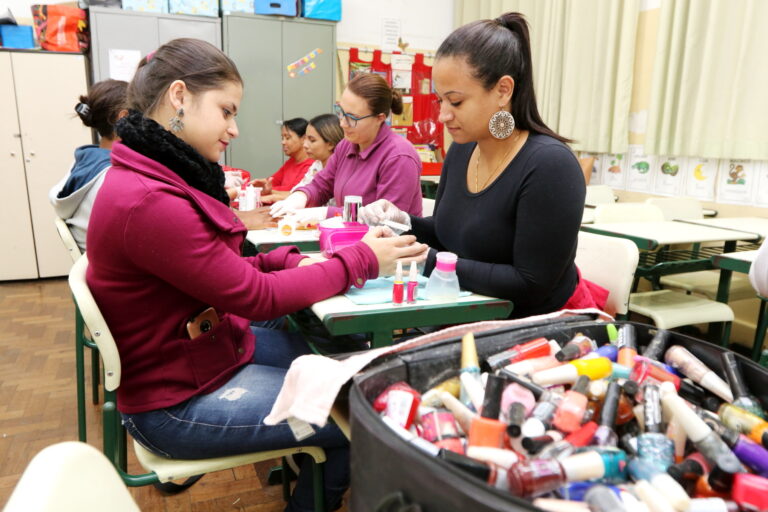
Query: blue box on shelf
(321,9)
(281,7)
(17,36)
(146,5)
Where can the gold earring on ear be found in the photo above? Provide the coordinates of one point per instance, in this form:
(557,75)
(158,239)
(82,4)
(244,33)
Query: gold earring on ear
(176,123)
(502,124)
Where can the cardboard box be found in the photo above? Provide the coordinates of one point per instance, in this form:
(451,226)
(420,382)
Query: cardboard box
(146,5)
(230,6)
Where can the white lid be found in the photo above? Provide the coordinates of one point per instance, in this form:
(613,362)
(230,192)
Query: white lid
(471,385)
(694,426)
(651,497)
(554,347)
(554,505)
(671,490)
(717,385)
(583,466)
(563,374)
(498,456)
(707,505)
(631,503)
(532,427)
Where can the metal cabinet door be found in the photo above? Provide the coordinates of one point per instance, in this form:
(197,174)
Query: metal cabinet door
(170,28)
(312,93)
(49,133)
(17,251)
(119,30)
(253,43)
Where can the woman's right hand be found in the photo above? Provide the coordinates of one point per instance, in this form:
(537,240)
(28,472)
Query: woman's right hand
(290,204)
(389,249)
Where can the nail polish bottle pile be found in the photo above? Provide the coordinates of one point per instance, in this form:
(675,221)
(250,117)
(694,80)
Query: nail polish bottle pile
(582,427)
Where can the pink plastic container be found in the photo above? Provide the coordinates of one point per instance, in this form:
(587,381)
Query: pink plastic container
(334,238)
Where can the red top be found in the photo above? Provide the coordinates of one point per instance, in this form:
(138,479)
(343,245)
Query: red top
(160,252)
(290,174)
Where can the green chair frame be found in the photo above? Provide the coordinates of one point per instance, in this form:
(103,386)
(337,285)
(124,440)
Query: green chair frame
(161,470)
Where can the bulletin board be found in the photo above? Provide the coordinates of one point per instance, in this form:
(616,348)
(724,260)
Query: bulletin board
(413,78)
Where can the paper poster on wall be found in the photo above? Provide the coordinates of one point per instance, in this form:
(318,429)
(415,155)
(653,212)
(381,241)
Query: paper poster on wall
(639,175)
(701,178)
(596,177)
(390,33)
(123,63)
(736,181)
(402,66)
(761,194)
(669,176)
(614,170)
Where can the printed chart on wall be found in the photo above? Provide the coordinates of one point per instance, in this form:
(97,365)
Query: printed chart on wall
(736,181)
(613,169)
(701,178)
(669,179)
(123,63)
(640,165)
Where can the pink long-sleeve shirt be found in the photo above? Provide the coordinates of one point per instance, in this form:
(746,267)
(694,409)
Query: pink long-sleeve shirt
(160,252)
(389,168)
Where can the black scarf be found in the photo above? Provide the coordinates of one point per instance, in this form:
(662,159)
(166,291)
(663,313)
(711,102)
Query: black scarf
(149,138)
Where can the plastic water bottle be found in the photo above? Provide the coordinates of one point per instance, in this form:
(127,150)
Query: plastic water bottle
(443,283)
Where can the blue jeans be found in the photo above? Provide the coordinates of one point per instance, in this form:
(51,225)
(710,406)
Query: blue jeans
(229,421)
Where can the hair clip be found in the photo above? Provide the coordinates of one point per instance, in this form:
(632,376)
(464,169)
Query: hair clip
(150,55)
(82,109)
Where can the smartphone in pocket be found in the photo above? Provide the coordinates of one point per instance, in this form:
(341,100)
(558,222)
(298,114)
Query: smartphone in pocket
(202,323)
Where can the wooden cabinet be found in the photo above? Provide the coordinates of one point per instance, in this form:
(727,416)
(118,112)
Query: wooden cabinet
(38,135)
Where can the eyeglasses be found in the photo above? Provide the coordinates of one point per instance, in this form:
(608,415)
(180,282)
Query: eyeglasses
(351,120)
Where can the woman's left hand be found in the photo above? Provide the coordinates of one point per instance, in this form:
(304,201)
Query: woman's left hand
(258,218)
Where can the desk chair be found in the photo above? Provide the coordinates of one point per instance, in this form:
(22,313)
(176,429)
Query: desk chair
(609,262)
(427,206)
(704,282)
(70,477)
(666,308)
(160,469)
(81,340)
(599,194)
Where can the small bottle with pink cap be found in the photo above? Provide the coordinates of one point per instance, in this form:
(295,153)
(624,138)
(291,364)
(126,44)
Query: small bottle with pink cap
(443,283)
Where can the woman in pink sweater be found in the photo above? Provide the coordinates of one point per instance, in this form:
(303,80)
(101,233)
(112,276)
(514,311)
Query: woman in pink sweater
(164,246)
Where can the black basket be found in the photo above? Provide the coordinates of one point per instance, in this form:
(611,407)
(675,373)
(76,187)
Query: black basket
(390,475)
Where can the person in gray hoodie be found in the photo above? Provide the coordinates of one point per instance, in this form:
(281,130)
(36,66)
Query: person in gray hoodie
(73,196)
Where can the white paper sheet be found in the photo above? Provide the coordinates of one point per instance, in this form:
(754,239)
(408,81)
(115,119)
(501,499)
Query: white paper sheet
(123,63)
(669,176)
(736,181)
(614,170)
(639,168)
(701,178)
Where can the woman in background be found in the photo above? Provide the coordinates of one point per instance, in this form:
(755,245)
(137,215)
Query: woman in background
(279,185)
(72,198)
(372,161)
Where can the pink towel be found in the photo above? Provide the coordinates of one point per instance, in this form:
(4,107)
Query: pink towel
(313,381)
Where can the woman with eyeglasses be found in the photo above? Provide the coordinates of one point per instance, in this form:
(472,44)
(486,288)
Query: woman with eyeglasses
(372,161)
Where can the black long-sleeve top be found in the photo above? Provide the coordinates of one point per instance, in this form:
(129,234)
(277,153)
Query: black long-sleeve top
(516,239)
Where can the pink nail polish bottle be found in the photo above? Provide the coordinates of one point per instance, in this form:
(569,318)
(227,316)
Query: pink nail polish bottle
(571,409)
(413,284)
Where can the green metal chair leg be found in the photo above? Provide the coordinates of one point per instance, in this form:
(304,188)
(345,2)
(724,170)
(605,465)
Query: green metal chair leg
(317,486)
(726,334)
(762,324)
(95,376)
(80,376)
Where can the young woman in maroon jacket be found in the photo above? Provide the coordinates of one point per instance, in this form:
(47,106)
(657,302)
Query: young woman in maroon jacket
(164,246)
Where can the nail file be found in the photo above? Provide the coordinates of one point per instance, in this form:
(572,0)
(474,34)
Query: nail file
(395,226)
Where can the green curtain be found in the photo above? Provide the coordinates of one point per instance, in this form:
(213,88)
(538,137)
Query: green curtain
(709,93)
(583,55)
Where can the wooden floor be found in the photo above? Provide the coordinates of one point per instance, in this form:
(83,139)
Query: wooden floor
(38,406)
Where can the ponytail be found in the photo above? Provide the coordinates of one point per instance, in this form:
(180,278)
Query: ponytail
(494,48)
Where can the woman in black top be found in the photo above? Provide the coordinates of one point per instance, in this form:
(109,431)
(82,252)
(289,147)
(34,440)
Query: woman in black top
(511,193)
